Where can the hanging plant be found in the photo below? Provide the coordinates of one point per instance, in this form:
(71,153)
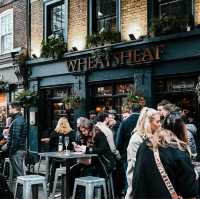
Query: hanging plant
(4,86)
(133,97)
(27,98)
(71,102)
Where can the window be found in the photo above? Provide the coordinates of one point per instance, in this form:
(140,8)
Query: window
(55,18)
(109,96)
(6,31)
(178,8)
(104,15)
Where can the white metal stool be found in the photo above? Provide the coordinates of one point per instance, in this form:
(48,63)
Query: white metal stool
(90,183)
(59,172)
(27,182)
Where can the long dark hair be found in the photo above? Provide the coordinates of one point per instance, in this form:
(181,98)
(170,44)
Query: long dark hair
(175,123)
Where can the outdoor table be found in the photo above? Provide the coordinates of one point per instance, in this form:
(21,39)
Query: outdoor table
(67,157)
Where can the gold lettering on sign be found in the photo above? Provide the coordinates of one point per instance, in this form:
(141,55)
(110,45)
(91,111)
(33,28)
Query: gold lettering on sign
(126,57)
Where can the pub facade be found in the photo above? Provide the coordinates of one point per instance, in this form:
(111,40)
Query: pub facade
(160,66)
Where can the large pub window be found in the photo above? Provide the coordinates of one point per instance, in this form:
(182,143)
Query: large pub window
(104,15)
(55,18)
(109,96)
(178,8)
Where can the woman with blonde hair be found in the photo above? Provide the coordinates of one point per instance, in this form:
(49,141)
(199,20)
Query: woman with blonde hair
(163,168)
(61,131)
(148,122)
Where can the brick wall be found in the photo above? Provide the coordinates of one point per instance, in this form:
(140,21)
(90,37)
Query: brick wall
(77,26)
(36,26)
(197,11)
(133,18)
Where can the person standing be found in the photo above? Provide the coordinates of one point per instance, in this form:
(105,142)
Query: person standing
(123,137)
(17,141)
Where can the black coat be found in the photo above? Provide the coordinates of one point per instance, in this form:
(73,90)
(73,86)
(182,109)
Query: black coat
(147,181)
(54,139)
(124,134)
(105,156)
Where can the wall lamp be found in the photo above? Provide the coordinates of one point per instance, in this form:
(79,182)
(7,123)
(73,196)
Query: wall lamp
(74,48)
(132,37)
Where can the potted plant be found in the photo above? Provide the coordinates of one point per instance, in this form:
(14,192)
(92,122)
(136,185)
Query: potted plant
(27,98)
(54,46)
(72,101)
(102,38)
(134,97)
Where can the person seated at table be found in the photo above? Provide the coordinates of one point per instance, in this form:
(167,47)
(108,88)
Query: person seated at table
(62,130)
(4,136)
(94,142)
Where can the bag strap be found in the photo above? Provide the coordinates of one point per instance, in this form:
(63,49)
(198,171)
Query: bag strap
(164,175)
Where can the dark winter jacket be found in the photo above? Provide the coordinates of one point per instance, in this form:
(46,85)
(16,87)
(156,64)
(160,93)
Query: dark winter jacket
(17,134)
(147,181)
(124,134)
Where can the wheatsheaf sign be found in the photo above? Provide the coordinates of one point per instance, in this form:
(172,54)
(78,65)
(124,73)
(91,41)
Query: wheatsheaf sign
(119,58)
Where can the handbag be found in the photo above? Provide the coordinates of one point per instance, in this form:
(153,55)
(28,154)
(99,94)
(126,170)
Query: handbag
(85,161)
(164,175)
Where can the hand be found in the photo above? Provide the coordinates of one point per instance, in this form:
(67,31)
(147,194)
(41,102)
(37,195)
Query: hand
(45,140)
(80,148)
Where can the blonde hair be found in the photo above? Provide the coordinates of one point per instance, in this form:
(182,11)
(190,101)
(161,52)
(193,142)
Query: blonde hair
(63,126)
(165,138)
(143,126)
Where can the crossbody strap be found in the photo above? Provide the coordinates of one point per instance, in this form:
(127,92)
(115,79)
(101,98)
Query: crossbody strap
(164,175)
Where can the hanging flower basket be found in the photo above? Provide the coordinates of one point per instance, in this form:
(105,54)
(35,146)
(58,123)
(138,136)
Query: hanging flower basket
(71,102)
(27,98)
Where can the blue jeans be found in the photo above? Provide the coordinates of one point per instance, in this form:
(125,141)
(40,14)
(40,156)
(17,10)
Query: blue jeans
(17,162)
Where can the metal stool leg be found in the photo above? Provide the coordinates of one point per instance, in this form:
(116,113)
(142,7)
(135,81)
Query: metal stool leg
(98,193)
(26,191)
(104,190)
(89,192)
(74,190)
(45,190)
(15,190)
(54,185)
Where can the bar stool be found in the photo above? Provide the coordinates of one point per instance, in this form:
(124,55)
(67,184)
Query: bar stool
(90,183)
(59,172)
(6,162)
(29,180)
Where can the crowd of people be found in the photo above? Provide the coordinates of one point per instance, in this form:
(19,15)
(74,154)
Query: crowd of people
(149,153)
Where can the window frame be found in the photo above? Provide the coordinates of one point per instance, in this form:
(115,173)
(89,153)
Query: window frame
(3,14)
(49,3)
(91,17)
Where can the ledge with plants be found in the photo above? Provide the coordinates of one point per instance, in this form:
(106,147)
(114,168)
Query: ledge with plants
(27,98)
(102,38)
(54,46)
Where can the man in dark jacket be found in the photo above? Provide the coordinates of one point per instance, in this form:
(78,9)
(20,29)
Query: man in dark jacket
(124,134)
(17,140)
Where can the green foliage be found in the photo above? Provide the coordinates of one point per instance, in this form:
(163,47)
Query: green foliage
(133,97)
(72,101)
(103,38)
(169,25)
(27,98)
(54,47)
(4,86)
